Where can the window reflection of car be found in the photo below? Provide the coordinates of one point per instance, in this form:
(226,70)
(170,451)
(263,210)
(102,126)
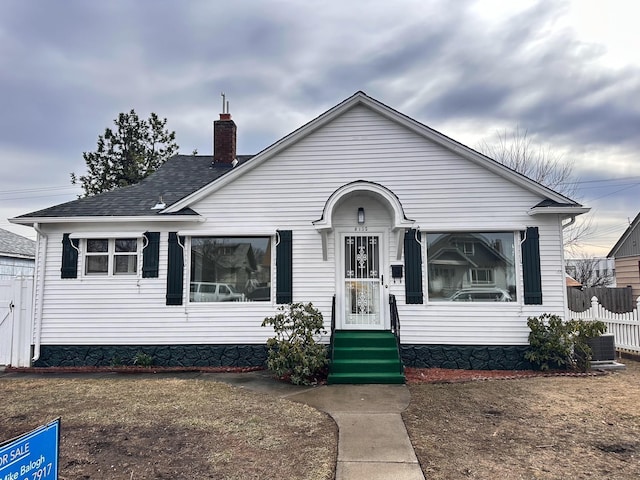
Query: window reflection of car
(260,294)
(481,295)
(214,292)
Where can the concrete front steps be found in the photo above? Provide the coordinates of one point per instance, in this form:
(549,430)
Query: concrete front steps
(365,356)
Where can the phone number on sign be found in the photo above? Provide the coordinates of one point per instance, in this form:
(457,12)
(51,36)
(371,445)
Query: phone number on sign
(27,474)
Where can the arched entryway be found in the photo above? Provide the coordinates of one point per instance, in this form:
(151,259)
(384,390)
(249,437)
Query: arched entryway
(362,225)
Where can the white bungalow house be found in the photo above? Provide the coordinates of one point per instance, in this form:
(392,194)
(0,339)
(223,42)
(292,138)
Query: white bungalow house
(367,213)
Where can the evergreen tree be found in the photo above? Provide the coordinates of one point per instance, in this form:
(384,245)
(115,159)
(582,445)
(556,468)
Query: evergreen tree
(127,154)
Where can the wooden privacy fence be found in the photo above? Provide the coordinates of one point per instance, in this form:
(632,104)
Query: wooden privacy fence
(625,327)
(614,299)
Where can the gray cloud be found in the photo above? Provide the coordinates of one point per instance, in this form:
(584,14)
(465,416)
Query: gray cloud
(69,67)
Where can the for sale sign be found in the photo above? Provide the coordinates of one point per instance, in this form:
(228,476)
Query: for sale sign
(33,456)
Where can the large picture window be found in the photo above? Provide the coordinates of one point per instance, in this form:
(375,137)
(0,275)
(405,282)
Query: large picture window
(118,256)
(471,267)
(230,269)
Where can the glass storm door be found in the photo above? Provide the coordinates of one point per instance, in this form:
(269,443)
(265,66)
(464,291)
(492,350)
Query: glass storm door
(362,282)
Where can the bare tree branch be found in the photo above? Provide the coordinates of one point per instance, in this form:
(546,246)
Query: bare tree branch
(517,151)
(590,272)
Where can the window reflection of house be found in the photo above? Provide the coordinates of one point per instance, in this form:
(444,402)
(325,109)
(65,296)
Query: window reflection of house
(243,263)
(462,260)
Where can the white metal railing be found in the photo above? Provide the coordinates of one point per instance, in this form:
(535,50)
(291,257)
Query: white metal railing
(625,327)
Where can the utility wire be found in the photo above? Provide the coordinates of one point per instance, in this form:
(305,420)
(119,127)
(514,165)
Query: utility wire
(37,189)
(601,180)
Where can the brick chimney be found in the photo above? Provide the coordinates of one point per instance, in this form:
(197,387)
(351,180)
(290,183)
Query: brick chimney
(224,140)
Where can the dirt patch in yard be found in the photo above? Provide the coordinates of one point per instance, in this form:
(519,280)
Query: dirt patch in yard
(132,427)
(557,427)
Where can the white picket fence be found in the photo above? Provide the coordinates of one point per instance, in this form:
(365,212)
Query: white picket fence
(624,326)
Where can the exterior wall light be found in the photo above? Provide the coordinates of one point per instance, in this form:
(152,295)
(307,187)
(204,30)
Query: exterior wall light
(360,216)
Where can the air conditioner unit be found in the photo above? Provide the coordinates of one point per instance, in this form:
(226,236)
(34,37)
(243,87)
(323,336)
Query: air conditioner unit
(603,348)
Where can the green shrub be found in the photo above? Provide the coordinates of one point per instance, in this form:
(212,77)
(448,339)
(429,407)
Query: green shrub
(550,343)
(143,359)
(554,343)
(116,361)
(294,353)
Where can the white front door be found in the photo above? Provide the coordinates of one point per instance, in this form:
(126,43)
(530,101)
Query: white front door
(361,287)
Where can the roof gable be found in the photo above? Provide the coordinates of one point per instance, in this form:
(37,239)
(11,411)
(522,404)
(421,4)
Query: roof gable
(624,238)
(360,98)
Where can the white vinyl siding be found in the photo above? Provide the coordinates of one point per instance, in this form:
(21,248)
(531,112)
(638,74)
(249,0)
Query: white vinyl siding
(438,189)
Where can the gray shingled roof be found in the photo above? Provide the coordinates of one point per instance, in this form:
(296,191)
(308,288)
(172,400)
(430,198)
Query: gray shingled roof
(177,178)
(12,244)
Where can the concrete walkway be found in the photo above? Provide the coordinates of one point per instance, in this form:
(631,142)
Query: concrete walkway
(372,439)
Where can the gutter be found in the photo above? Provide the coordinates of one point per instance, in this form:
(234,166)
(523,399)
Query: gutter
(41,258)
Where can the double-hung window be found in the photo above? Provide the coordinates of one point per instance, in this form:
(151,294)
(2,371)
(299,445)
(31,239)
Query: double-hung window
(111,256)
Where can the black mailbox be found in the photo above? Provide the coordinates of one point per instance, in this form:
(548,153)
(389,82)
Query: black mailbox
(396,271)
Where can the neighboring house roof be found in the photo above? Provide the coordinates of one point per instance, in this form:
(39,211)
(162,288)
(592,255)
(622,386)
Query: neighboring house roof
(14,245)
(178,177)
(185,179)
(242,255)
(625,236)
(572,282)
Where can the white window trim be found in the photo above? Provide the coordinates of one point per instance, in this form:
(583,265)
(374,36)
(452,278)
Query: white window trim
(519,301)
(111,254)
(191,234)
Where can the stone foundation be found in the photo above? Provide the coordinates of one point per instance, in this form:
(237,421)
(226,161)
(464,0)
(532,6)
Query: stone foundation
(162,355)
(467,357)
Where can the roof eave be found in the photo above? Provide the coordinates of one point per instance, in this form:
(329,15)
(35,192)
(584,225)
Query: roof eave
(30,221)
(567,211)
(22,256)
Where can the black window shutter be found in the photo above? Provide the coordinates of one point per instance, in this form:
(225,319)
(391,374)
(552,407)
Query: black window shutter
(151,255)
(175,270)
(531,267)
(284,270)
(413,267)
(69,257)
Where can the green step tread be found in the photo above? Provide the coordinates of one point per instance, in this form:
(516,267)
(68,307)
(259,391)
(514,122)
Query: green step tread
(361,378)
(360,367)
(365,352)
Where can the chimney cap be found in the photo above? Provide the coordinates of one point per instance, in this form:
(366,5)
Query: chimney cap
(225,116)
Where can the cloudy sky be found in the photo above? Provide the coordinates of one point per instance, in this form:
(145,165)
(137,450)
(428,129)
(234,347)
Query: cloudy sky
(566,72)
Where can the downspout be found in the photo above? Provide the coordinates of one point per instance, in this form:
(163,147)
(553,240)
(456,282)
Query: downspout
(571,222)
(39,291)
(184,262)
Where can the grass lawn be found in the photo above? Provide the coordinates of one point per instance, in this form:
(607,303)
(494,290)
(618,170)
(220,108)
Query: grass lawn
(141,427)
(128,427)
(535,428)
